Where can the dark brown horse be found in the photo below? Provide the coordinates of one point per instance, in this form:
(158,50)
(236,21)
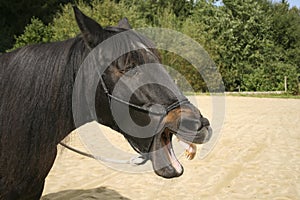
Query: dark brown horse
(36,92)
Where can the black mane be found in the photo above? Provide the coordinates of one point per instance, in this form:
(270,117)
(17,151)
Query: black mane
(47,75)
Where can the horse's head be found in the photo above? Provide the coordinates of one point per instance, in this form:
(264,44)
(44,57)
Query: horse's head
(142,101)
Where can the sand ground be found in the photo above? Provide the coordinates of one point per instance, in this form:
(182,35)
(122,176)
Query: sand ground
(256,157)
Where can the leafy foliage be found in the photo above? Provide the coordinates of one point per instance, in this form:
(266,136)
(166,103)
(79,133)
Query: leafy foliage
(35,32)
(255,43)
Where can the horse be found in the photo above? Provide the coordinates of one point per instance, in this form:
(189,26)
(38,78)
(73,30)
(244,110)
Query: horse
(36,114)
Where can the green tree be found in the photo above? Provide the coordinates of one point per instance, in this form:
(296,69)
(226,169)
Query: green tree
(255,43)
(286,26)
(64,25)
(240,38)
(247,40)
(152,10)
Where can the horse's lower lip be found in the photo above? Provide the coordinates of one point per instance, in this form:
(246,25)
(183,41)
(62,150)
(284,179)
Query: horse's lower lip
(163,158)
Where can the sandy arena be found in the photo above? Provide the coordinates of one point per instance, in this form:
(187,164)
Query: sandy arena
(256,157)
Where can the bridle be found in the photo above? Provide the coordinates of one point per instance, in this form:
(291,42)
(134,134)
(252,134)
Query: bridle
(134,106)
(161,113)
(111,97)
(140,108)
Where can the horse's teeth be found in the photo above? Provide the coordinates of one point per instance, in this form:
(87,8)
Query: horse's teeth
(190,149)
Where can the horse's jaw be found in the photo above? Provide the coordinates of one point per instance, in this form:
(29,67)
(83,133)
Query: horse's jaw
(190,128)
(163,158)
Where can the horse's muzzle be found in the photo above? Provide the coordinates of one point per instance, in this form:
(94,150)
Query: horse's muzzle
(188,125)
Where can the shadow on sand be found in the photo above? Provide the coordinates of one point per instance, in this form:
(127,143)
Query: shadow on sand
(95,193)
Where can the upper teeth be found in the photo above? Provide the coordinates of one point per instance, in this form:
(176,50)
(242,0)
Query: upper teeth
(190,149)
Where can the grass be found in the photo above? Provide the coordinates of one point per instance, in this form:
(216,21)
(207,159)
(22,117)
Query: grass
(265,95)
(282,96)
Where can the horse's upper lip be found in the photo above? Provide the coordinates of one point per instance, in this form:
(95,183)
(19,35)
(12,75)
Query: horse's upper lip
(199,137)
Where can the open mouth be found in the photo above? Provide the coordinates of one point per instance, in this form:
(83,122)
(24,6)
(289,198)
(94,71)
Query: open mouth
(190,128)
(164,160)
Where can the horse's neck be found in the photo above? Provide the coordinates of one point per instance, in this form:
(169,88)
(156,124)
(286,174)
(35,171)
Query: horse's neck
(77,54)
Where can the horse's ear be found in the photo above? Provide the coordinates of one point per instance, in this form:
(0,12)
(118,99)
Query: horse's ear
(89,28)
(123,23)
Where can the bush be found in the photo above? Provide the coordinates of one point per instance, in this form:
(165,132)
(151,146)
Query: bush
(35,32)
(64,25)
(271,78)
(242,46)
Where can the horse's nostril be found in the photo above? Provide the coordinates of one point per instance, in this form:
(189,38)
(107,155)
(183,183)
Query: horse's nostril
(190,124)
(204,122)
